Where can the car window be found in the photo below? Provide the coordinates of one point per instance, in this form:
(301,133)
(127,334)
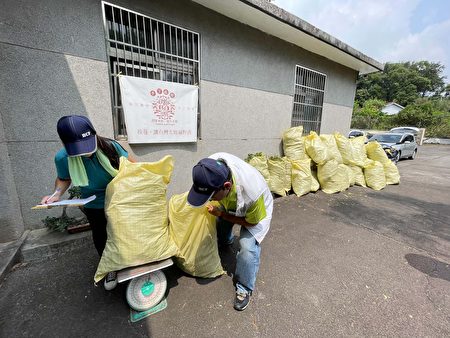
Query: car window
(409,138)
(355,133)
(388,138)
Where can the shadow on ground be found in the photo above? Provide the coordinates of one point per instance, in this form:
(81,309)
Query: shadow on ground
(421,224)
(430,266)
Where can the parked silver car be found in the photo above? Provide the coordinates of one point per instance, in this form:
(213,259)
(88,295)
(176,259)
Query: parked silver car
(405,143)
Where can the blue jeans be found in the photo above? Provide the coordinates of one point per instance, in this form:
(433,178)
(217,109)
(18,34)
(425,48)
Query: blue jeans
(247,258)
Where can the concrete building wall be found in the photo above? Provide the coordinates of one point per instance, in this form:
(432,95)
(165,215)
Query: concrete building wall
(336,118)
(53,63)
(11,222)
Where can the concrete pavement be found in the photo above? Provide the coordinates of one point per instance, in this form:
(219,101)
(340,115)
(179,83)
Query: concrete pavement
(357,263)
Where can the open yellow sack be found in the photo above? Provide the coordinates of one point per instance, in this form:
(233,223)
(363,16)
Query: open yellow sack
(333,151)
(136,209)
(391,173)
(194,232)
(333,177)
(259,161)
(301,176)
(294,143)
(316,148)
(374,175)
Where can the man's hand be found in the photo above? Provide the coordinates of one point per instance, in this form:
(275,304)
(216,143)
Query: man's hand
(214,210)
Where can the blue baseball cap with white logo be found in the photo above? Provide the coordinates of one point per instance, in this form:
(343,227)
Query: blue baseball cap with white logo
(208,176)
(77,134)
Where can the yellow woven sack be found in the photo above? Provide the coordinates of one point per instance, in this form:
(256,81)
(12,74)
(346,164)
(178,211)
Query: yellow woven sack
(277,177)
(391,173)
(260,163)
(301,177)
(194,232)
(333,177)
(374,175)
(315,185)
(280,175)
(345,148)
(375,152)
(359,175)
(351,176)
(315,148)
(287,173)
(333,151)
(294,143)
(136,209)
(359,151)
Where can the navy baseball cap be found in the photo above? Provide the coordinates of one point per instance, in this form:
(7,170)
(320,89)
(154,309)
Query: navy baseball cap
(77,134)
(208,176)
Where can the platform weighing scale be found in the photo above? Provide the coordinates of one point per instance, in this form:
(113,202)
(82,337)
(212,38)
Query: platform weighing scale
(146,289)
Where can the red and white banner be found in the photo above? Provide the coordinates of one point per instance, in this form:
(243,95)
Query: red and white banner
(159,111)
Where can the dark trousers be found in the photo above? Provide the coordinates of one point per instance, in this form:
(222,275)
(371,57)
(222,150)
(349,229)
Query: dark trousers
(97,220)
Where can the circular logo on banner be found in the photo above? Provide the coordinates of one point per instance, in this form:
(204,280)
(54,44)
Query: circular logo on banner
(163,105)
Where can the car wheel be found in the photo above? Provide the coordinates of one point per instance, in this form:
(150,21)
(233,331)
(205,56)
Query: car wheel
(397,157)
(413,156)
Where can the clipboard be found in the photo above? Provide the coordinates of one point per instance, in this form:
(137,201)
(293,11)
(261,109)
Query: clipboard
(76,202)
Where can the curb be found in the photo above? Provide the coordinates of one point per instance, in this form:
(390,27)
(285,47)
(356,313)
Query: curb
(10,254)
(42,244)
(38,245)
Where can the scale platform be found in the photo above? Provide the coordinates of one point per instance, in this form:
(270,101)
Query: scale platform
(137,271)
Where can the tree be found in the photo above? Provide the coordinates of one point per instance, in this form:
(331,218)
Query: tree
(402,82)
(418,115)
(431,71)
(369,115)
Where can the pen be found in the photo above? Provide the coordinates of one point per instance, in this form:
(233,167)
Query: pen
(52,195)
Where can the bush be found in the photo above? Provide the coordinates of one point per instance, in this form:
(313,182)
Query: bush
(62,222)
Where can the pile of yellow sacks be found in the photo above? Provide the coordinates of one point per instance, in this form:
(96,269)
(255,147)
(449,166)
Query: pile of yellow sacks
(328,162)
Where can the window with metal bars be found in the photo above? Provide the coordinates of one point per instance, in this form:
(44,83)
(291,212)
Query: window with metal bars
(308,99)
(140,46)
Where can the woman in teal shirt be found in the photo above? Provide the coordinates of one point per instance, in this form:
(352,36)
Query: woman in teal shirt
(90,162)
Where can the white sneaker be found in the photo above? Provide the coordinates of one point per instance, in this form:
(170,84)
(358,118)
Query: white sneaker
(111,280)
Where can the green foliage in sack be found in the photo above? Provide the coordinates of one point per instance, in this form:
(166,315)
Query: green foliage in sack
(250,156)
(275,158)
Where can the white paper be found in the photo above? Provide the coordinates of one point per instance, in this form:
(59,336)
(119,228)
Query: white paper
(69,203)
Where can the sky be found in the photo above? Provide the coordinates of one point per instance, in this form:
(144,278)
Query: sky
(385,30)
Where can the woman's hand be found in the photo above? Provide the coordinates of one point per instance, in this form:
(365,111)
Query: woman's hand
(50,198)
(60,187)
(214,210)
